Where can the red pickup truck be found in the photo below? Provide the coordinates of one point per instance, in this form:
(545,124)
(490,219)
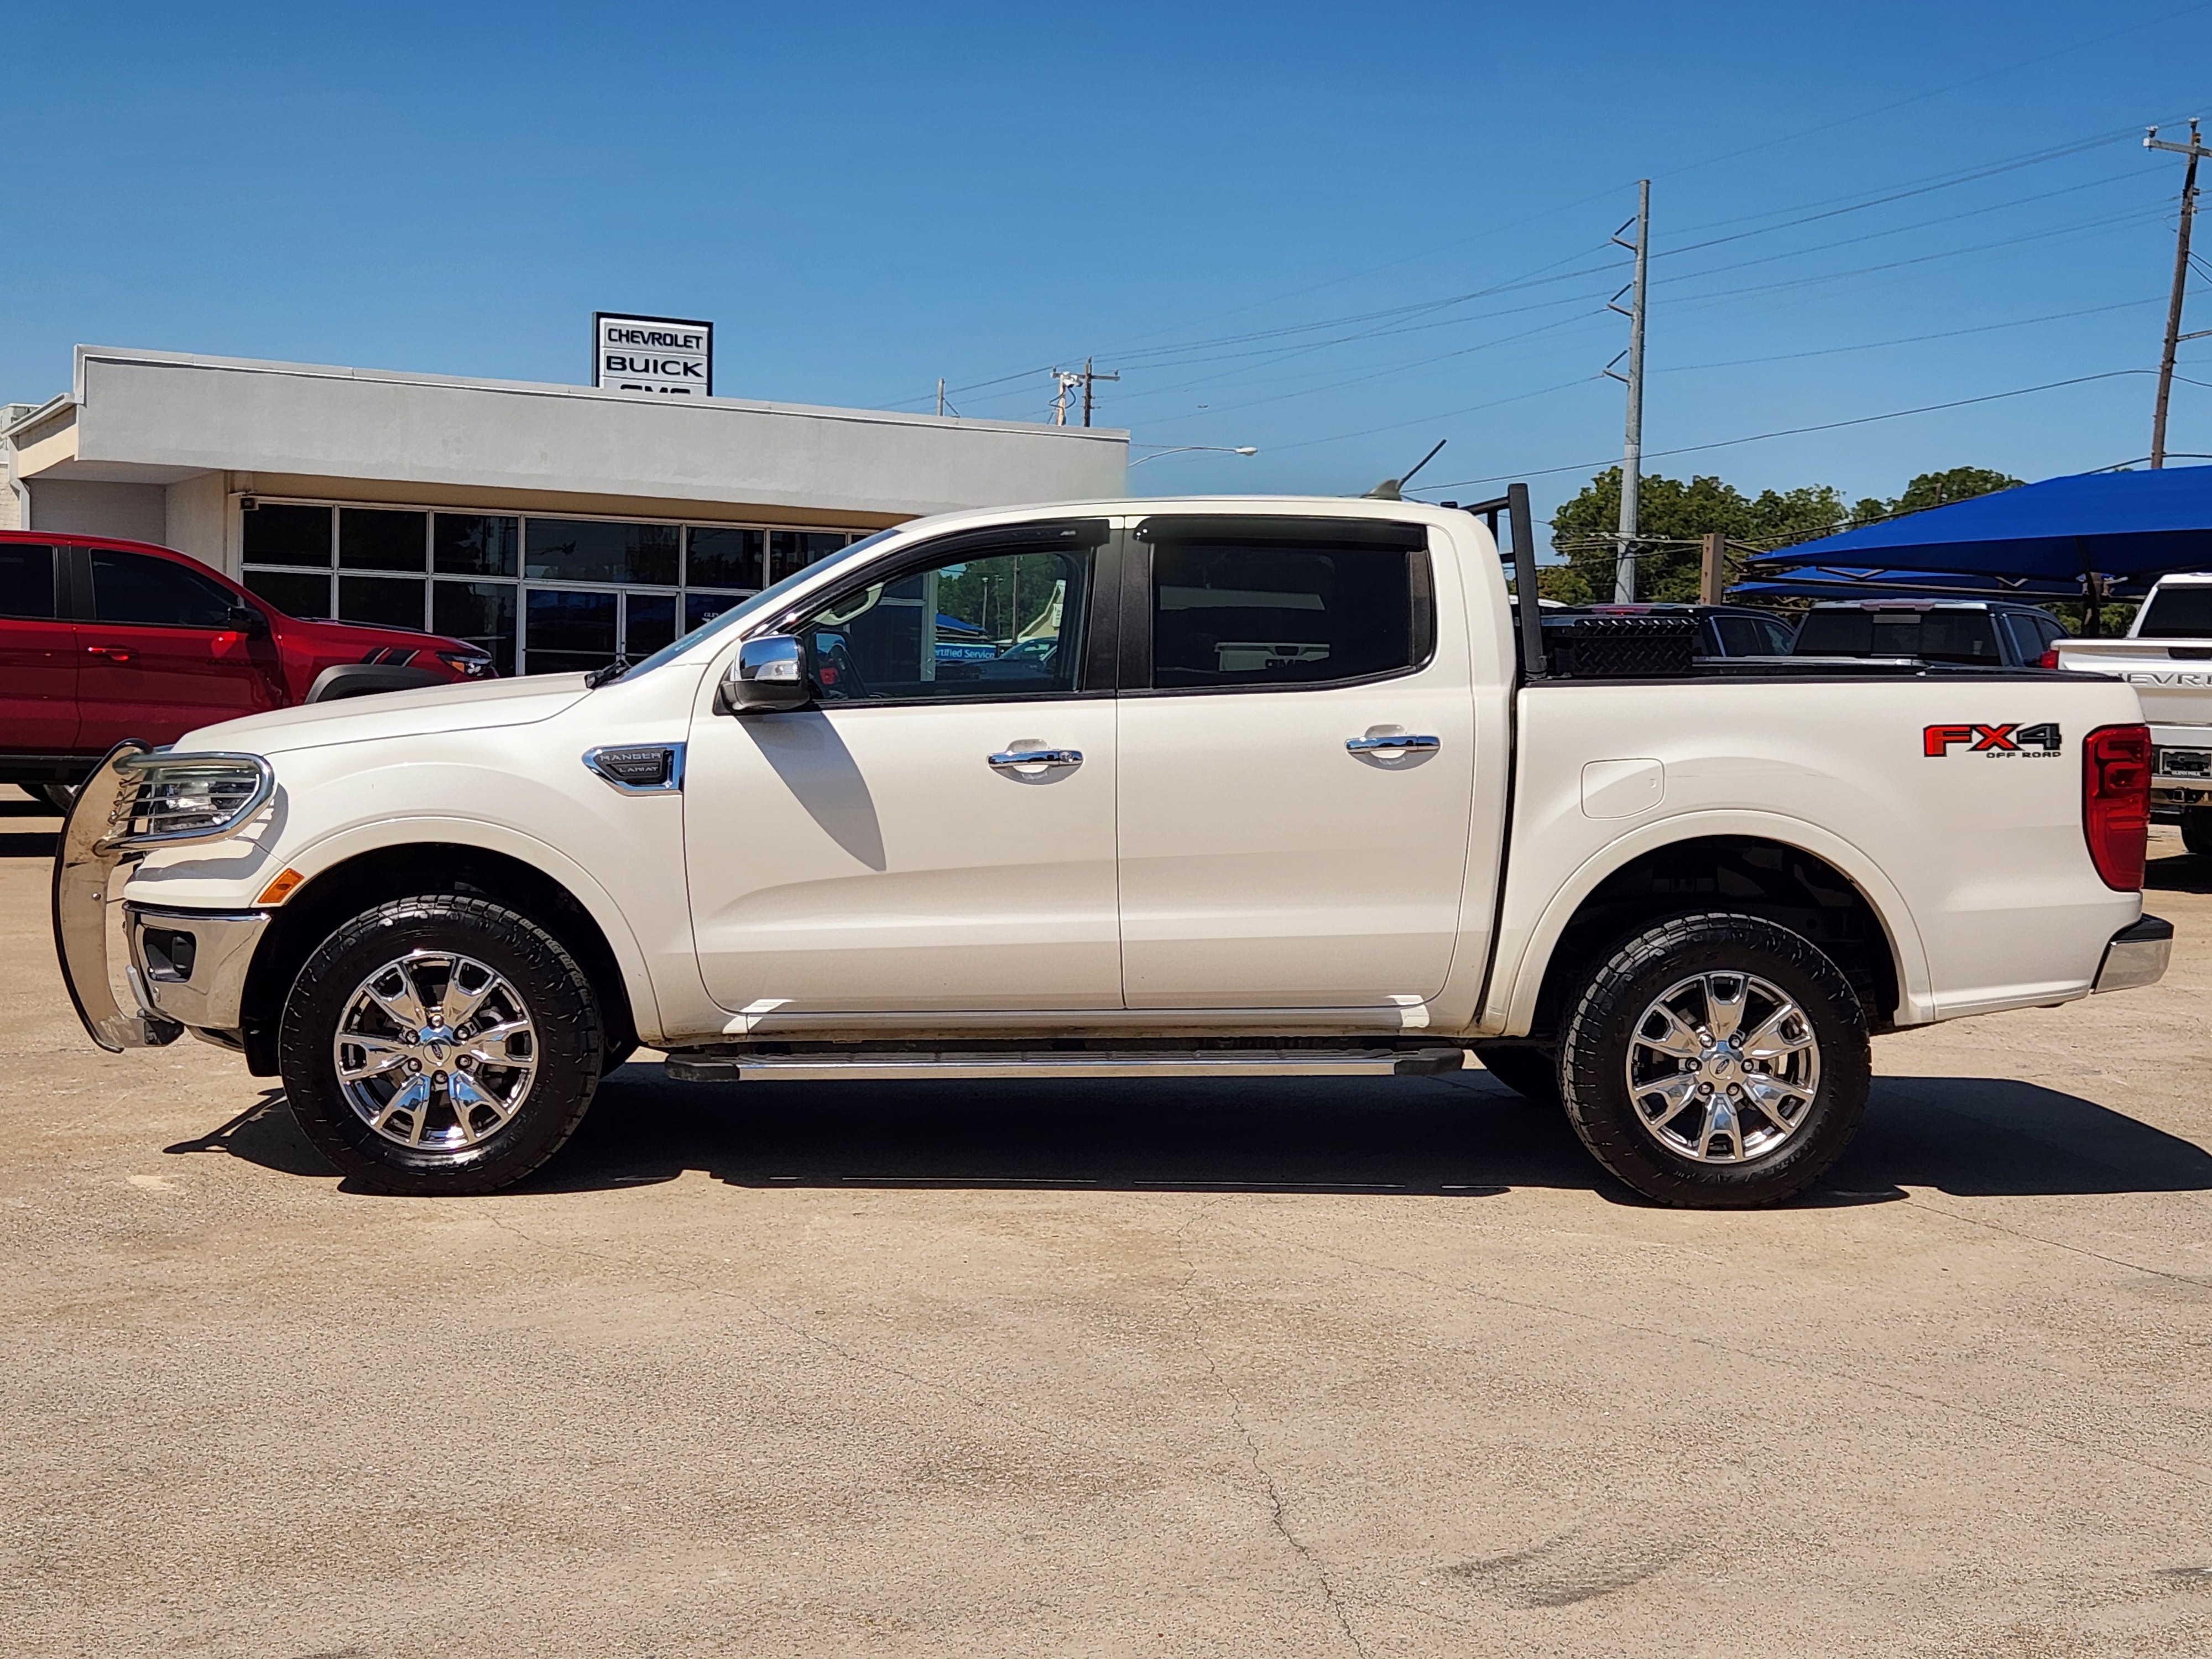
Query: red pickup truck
(102,640)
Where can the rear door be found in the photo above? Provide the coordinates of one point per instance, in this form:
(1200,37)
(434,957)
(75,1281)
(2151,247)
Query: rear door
(38,657)
(160,655)
(1278,850)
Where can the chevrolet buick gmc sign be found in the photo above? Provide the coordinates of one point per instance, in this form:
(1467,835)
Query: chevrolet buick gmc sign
(666,355)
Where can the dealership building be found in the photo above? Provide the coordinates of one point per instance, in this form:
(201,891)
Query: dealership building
(557,525)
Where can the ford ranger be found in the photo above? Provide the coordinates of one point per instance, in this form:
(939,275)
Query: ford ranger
(1182,787)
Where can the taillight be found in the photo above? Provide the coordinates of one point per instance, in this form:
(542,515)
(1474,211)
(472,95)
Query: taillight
(2116,802)
(2048,659)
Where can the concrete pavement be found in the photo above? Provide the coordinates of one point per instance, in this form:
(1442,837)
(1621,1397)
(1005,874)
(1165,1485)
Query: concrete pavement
(1238,1369)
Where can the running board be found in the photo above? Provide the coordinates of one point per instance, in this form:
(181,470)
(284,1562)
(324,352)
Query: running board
(924,1064)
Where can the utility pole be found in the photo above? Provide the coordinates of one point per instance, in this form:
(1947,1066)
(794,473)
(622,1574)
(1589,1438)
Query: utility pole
(1712,572)
(2174,336)
(1088,377)
(1067,380)
(1631,452)
(941,396)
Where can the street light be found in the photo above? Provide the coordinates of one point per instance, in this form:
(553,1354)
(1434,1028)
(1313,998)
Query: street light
(1186,449)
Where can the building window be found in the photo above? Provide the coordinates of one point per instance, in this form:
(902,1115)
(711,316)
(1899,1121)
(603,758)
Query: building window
(592,550)
(475,545)
(542,595)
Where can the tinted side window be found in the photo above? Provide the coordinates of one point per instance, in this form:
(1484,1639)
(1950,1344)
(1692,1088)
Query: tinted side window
(26,581)
(2027,636)
(131,587)
(1741,636)
(1299,613)
(1008,624)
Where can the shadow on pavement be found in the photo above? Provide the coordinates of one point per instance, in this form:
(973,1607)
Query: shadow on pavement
(2186,873)
(28,844)
(1461,1138)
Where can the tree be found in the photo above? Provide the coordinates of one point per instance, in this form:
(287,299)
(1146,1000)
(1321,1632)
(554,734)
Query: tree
(1673,518)
(1935,490)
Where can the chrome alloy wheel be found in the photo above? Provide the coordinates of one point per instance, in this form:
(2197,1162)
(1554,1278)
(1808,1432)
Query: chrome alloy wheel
(1722,1068)
(436,1052)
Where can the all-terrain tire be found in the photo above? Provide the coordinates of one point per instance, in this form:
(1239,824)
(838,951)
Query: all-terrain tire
(563,1046)
(1603,1020)
(1531,1072)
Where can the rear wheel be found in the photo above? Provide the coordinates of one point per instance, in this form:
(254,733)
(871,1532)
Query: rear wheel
(2197,829)
(440,1044)
(1529,1071)
(1715,1060)
(63,796)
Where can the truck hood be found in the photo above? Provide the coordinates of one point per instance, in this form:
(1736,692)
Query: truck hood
(434,708)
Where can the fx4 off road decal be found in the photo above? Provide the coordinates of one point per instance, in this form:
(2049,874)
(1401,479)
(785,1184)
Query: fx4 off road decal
(2007,742)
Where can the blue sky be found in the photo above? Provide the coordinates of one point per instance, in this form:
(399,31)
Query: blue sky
(1269,219)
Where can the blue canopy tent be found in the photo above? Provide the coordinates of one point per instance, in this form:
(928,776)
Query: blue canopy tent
(2092,537)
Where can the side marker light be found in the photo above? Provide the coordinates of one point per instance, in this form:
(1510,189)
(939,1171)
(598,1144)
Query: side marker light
(280,888)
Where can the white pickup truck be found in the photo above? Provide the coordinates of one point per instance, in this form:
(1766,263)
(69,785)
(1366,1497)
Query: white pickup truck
(1182,787)
(2167,657)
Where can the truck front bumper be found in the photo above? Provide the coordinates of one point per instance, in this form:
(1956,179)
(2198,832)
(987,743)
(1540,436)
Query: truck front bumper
(185,969)
(193,963)
(2137,956)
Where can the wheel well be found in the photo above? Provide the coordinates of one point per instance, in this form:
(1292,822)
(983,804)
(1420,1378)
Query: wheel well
(346,889)
(1783,884)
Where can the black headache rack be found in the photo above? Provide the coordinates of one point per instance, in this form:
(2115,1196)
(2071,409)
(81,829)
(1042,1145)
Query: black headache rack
(1663,645)
(1587,647)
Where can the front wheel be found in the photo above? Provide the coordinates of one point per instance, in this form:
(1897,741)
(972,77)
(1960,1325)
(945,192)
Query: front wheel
(440,1045)
(2197,830)
(1715,1060)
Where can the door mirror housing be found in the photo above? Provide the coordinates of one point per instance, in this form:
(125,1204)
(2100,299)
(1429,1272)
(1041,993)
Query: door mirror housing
(249,620)
(771,674)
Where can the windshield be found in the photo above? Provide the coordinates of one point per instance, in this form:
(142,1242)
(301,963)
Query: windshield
(766,599)
(2178,613)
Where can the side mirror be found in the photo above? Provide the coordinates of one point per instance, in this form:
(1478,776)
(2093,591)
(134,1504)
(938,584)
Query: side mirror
(768,676)
(249,620)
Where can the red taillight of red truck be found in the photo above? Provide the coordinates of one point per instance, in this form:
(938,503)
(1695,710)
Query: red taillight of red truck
(2116,802)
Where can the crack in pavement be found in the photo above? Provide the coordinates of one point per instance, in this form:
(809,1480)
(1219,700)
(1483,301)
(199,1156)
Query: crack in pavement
(1306,1556)
(2057,1245)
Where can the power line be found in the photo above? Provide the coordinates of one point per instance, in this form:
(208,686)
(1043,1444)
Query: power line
(1938,91)
(1798,431)
(1910,339)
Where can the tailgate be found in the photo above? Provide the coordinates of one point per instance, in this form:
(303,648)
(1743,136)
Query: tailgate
(2173,680)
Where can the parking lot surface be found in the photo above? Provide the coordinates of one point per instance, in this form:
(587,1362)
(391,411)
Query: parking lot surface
(1181,1368)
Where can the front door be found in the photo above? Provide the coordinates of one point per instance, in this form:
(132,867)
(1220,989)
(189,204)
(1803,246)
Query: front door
(38,653)
(889,849)
(1279,850)
(162,654)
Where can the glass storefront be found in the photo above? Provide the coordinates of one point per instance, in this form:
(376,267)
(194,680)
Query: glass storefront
(543,595)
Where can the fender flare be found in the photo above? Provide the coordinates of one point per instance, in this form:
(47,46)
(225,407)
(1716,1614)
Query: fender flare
(1514,1012)
(319,857)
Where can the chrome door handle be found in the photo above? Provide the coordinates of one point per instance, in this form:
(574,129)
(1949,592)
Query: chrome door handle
(1398,740)
(1013,758)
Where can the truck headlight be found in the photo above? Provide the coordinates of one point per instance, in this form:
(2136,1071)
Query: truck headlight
(177,798)
(469,665)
